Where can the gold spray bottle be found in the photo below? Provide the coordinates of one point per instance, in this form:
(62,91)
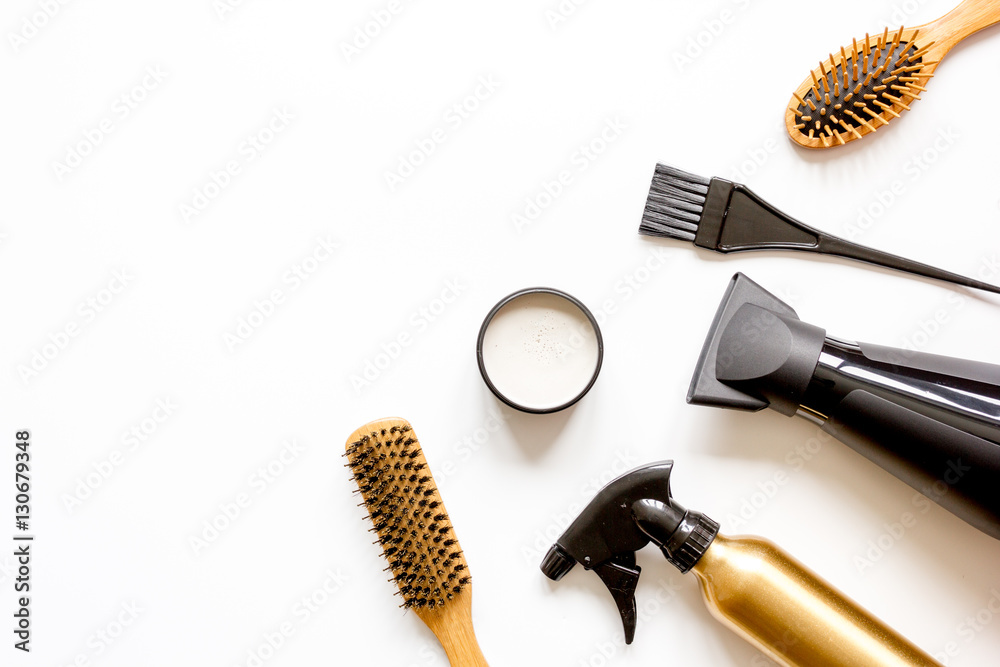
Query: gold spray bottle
(749,584)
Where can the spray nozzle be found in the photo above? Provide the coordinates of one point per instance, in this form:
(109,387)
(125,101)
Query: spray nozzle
(626,515)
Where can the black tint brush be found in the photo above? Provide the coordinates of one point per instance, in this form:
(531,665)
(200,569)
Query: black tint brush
(729,217)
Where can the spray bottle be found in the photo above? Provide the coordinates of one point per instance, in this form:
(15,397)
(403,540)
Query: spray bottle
(749,584)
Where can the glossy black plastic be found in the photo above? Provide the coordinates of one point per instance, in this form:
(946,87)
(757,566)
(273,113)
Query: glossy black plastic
(626,515)
(737,219)
(723,216)
(932,421)
(964,395)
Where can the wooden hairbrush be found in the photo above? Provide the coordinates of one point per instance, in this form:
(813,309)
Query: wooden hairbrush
(415,533)
(873,80)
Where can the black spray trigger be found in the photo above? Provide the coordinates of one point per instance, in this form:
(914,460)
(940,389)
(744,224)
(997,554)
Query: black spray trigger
(621,576)
(626,515)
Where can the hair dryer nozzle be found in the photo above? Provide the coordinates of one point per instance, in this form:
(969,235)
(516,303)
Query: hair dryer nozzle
(757,354)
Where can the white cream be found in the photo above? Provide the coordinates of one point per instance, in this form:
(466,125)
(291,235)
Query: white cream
(540,351)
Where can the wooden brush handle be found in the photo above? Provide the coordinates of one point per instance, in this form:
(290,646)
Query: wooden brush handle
(969,17)
(453,626)
(417,537)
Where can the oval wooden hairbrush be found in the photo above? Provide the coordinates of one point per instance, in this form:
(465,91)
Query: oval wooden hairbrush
(873,80)
(416,535)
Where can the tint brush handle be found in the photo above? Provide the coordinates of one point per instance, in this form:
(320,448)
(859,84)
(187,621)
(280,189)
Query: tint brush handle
(831,245)
(736,219)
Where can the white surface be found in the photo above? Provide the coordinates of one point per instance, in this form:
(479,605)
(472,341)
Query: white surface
(540,351)
(414,271)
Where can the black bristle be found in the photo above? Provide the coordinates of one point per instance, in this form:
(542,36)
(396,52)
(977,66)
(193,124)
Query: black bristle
(674,205)
(406,514)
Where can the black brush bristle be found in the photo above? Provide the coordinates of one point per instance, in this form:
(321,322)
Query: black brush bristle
(413,528)
(674,205)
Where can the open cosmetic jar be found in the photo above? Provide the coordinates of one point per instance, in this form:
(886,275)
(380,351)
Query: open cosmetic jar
(540,350)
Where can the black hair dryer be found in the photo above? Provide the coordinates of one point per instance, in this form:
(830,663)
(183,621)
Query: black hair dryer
(932,421)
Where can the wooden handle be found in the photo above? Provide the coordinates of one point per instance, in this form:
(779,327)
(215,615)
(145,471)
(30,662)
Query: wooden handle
(419,542)
(453,626)
(969,17)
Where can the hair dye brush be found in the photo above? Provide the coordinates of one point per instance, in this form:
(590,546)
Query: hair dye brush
(416,534)
(749,584)
(932,421)
(728,217)
(871,81)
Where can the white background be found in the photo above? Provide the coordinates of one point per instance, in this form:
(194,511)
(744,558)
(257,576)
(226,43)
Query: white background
(192,278)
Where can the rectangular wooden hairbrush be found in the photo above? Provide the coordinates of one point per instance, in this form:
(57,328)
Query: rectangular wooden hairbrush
(415,533)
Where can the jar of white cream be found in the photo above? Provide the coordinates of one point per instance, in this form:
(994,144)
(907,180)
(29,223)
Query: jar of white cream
(540,350)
